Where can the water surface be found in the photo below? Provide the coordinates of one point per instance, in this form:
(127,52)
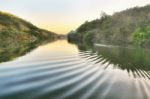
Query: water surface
(61,70)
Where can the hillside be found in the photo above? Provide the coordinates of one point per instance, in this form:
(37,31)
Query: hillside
(128,27)
(18,36)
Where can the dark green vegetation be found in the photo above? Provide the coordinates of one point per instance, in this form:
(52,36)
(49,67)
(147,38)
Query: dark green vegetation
(129,27)
(129,59)
(18,36)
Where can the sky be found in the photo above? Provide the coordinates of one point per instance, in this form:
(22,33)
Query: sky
(62,16)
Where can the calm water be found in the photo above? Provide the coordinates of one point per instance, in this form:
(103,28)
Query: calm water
(60,70)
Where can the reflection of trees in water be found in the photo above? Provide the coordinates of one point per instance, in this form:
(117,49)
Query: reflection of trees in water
(133,60)
(129,59)
(13,51)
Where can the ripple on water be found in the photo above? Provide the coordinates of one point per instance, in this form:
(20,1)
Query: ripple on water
(84,75)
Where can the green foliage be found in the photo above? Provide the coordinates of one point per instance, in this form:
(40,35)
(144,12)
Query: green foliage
(88,38)
(141,35)
(15,29)
(119,28)
(87,26)
(75,37)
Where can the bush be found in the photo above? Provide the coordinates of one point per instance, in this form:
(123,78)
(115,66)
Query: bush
(89,37)
(141,36)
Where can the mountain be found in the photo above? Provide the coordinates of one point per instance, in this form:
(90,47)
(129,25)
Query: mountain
(128,27)
(18,36)
(17,30)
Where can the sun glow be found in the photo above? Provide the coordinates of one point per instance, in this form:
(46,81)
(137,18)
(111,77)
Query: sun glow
(60,28)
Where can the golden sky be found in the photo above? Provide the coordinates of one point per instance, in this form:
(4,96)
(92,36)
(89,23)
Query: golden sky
(62,16)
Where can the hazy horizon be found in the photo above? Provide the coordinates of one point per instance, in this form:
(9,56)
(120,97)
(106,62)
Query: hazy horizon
(65,15)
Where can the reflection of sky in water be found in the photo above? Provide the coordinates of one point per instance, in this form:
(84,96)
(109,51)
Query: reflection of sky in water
(51,50)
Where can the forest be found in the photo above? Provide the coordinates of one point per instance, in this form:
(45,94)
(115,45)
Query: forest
(128,27)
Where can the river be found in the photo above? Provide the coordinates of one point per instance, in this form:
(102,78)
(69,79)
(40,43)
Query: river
(61,70)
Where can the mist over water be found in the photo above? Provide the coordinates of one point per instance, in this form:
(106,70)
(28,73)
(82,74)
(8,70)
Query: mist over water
(61,70)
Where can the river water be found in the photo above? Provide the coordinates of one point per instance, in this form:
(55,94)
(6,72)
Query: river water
(60,70)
